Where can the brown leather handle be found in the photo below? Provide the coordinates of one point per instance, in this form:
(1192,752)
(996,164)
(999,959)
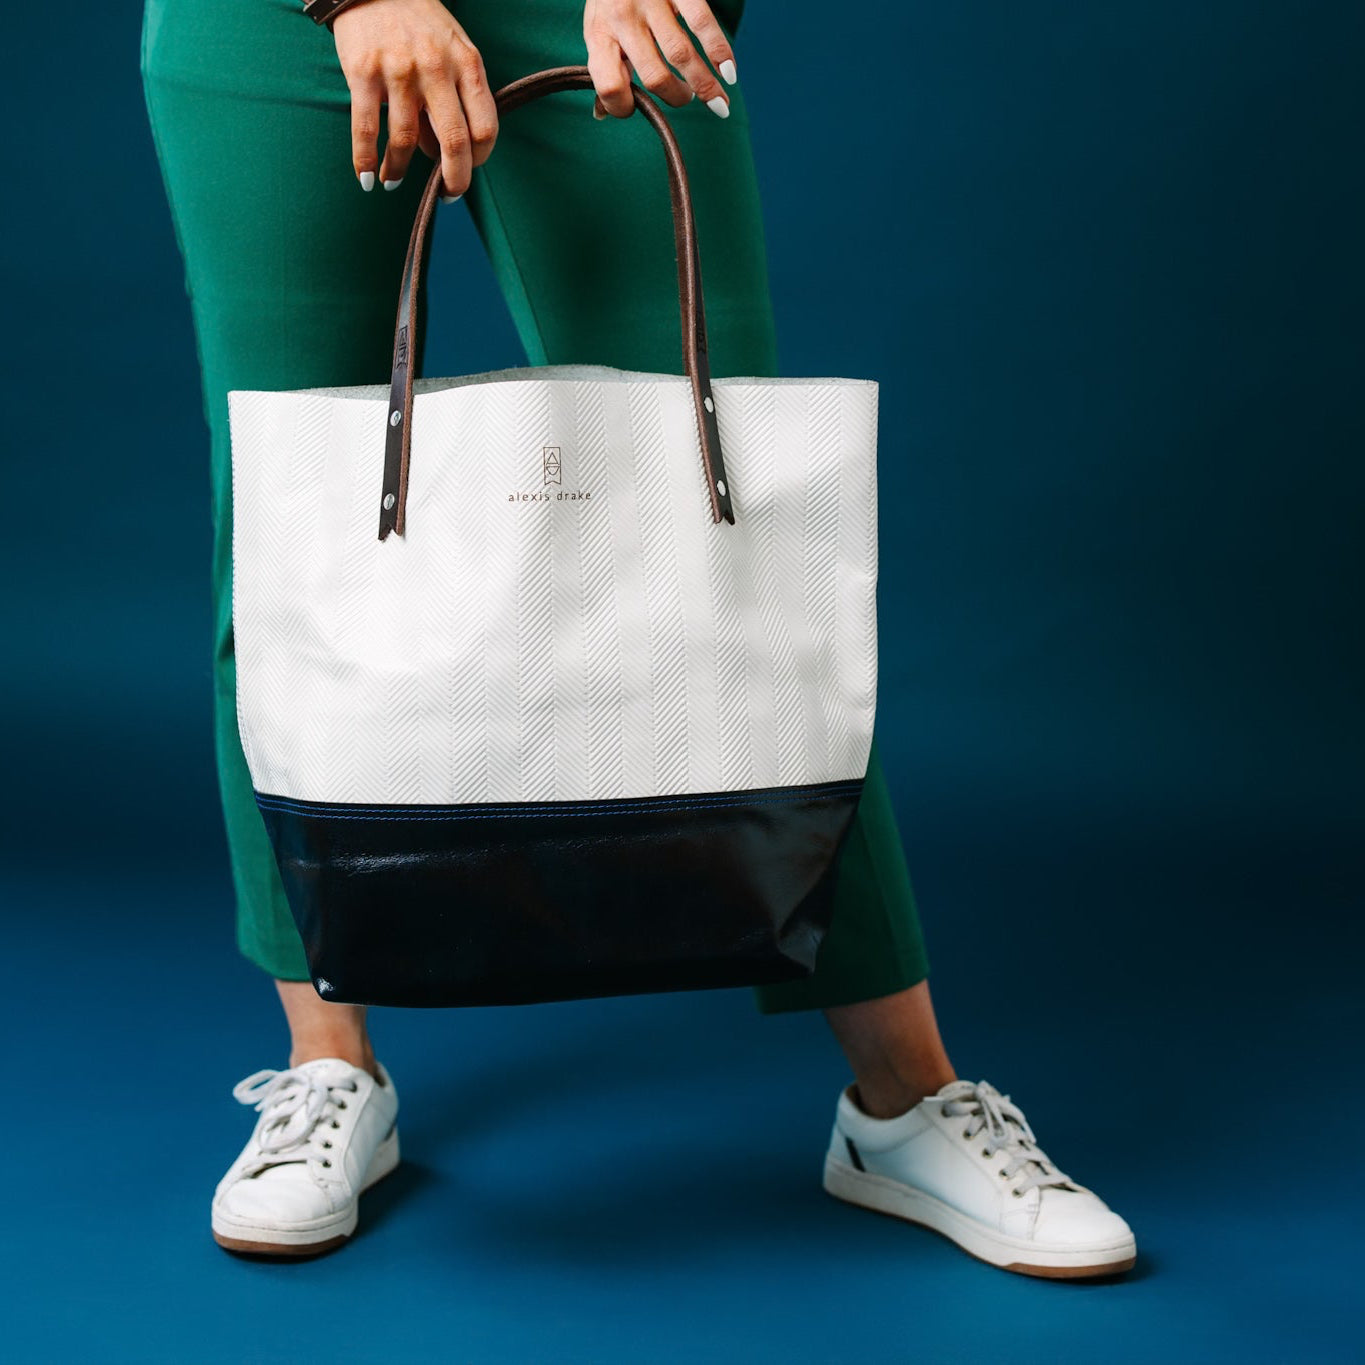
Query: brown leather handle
(398,441)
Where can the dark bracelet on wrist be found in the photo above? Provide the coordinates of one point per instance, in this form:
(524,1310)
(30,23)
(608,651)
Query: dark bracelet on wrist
(324,11)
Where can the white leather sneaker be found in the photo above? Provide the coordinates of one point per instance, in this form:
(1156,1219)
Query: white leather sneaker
(965,1162)
(327,1132)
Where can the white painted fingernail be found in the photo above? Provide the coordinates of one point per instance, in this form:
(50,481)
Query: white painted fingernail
(393,184)
(450,198)
(719,106)
(367,180)
(727,69)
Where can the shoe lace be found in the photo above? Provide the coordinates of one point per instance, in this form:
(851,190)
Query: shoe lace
(1007,1130)
(292,1103)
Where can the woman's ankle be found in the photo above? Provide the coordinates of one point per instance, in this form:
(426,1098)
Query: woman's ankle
(359,1052)
(324,1028)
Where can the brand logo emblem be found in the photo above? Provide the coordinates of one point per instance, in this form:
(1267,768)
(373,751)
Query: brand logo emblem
(551,478)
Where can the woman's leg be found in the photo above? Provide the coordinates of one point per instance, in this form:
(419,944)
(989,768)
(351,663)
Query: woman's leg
(292,274)
(575,216)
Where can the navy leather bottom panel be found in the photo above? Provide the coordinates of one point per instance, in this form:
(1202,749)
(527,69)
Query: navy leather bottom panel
(509,904)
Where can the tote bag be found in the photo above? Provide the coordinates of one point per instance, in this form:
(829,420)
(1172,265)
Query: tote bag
(559,681)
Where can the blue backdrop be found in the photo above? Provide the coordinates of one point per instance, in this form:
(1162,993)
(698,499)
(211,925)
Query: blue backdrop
(1106,263)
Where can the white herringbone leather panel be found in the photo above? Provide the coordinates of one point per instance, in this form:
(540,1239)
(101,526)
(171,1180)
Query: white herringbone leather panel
(523,648)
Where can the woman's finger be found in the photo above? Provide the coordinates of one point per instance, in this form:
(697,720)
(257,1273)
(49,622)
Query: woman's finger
(637,42)
(404,107)
(448,119)
(610,75)
(677,46)
(711,37)
(480,108)
(366,94)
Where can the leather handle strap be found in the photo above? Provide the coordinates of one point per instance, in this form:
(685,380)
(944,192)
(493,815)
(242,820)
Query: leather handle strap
(398,439)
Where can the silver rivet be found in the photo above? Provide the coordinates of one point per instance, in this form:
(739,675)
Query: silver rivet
(720,487)
(395,417)
(709,405)
(388,501)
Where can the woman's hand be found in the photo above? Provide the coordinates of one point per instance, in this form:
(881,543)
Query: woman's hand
(643,33)
(412,55)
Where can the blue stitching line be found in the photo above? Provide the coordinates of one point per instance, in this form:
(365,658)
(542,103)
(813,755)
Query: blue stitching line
(389,812)
(480,815)
(290,806)
(605,803)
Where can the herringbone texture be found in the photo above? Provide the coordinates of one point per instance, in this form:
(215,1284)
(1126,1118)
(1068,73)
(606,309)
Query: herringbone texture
(519,643)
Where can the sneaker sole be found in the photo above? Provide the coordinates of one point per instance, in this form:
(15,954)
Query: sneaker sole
(321,1235)
(888,1196)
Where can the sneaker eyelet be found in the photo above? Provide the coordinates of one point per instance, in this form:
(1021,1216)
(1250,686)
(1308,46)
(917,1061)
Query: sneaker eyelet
(1016,1194)
(335,1124)
(341,1104)
(326,1161)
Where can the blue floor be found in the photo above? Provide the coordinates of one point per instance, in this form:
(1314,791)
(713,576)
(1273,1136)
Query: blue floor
(637,1179)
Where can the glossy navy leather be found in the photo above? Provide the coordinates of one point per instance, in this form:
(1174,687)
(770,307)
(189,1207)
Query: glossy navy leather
(488,904)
